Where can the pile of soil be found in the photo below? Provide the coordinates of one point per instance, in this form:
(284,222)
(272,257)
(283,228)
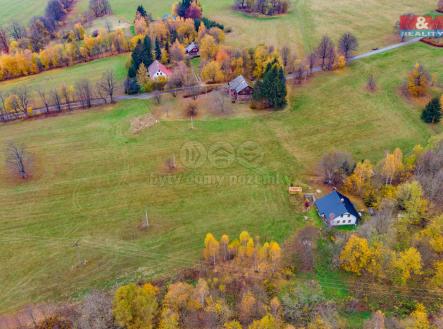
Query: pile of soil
(140,123)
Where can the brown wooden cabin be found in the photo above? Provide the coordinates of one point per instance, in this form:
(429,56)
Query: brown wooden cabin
(240,90)
(192,50)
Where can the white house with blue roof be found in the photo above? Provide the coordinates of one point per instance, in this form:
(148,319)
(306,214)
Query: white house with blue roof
(336,209)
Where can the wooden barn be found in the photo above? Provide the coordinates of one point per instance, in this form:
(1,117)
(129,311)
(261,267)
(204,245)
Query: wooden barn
(192,50)
(240,90)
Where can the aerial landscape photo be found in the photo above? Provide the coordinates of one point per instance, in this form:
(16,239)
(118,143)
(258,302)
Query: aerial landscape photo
(221,164)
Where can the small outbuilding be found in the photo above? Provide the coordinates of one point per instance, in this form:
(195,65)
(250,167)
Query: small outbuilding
(192,50)
(335,209)
(240,90)
(158,70)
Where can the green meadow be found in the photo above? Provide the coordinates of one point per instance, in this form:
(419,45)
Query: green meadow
(75,225)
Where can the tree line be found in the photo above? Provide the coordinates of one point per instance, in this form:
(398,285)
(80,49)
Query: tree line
(22,102)
(39,32)
(263,7)
(79,47)
(246,283)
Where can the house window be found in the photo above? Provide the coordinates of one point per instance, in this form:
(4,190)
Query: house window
(349,215)
(349,220)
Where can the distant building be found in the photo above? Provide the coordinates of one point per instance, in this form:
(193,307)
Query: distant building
(336,209)
(192,50)
(239,89)
(158,70)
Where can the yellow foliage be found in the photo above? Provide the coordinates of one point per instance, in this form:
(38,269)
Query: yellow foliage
(418,81)
(135,307)
(267,322)
(407,263)
(360,179)
(212,72)
(169,319)
(232,325)
(212,247)
(341,62)
(356,255)
(437,279)
(418,318)
(319,323)
(208,48)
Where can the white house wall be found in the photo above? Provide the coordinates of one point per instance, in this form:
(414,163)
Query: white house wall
(344,220)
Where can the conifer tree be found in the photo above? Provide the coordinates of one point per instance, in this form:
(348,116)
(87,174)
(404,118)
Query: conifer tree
(158,50)
(146,55)
(272,88)
(432,112)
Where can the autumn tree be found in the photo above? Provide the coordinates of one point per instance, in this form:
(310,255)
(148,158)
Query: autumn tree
(84,93)
(18,160)
(360,178)
(406,264)
(17,30)
(4,40)
(335,166)
(208,48)
(169,319)
(107,84)
(96,312)
(432,113)
(24,99)
(324,51)
(347,45)
(392,165)
(234,324)
(100,7)
(212,248)
(411,199)
(142,75)
(135,307)
(319,323)
(212,72)
(266,322)
(355,255)
(418,319)
(418,81)
(177,52)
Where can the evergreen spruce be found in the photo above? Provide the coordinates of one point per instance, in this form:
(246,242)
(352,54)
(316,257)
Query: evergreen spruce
(141,10)
(183,7)
(167,50)
(271,89)
(147,57)
(432,112)
(173,36)
(197,23)
(137,55)
(158,50)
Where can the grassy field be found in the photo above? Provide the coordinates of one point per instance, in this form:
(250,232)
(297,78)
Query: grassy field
(93,179)
(21,11)
(337,112)
(55,78)
(371,21)
(92,184)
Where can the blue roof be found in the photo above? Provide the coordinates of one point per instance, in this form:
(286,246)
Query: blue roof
(336,204)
